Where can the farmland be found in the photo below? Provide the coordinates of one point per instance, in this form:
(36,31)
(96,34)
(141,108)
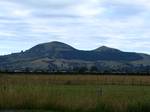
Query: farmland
(75,93)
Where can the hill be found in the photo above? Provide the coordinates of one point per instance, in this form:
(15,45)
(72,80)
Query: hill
(60,57)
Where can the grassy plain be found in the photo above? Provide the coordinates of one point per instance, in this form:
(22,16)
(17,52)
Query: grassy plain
(75,93)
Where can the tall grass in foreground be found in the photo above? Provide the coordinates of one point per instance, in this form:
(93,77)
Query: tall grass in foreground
(37,93)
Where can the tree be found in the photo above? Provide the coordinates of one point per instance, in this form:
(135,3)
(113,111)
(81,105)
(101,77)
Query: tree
(93,69)
(83,69)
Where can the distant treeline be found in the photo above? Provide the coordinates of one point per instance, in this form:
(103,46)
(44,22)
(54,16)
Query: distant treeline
(98,70)
(73,73)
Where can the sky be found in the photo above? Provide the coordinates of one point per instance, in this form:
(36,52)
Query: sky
(83,24)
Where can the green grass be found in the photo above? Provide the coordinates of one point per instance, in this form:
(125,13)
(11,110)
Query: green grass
(37,94)
(75,98)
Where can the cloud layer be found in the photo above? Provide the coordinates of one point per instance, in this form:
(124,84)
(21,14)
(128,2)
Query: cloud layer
(84,24)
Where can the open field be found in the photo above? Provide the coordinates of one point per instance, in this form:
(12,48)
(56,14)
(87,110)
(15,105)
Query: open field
(75,93)
(74,79)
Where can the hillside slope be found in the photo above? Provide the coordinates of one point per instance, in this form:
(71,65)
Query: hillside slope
(57,56)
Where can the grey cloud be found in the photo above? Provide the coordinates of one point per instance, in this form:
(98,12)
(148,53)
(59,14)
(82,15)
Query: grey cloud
(53,4)
(118,10)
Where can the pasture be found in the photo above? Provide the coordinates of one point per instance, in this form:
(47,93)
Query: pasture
(74,93)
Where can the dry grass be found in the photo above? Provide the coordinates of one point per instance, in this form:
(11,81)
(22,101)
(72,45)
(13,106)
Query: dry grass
(75,93)
(75,79)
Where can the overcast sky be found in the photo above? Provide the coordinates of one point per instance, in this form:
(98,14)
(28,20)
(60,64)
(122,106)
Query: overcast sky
(84,24)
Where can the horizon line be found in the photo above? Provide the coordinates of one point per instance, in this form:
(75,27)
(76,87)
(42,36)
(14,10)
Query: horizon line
(74,48)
